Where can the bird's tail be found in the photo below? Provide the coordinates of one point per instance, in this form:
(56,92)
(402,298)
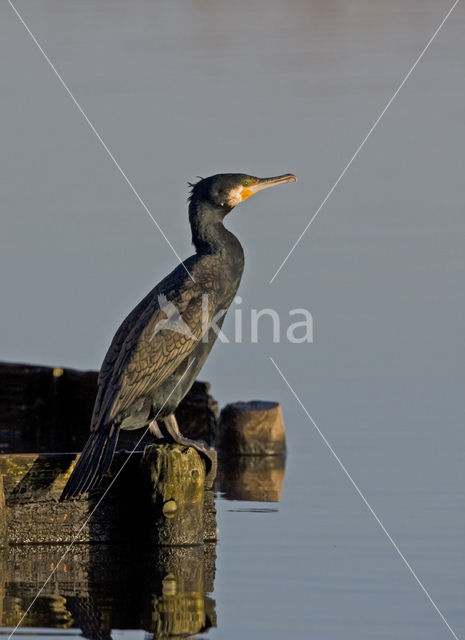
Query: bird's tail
(93,463)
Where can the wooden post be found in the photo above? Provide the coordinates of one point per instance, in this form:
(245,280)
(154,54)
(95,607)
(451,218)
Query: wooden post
(176,475)
(251,428)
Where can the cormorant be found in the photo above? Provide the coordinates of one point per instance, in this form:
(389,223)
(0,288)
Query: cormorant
(160,347)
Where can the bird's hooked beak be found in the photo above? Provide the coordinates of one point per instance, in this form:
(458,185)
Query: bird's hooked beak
(264,183)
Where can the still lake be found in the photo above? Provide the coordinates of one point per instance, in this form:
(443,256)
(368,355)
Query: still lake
(189,87)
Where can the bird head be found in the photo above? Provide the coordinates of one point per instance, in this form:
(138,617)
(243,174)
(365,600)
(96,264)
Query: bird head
(227,190)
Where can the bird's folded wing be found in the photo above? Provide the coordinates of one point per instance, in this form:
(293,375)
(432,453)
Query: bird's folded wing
(149,346)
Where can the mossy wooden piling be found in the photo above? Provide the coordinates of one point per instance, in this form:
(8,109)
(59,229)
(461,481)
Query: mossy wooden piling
(124,508)
(177,478)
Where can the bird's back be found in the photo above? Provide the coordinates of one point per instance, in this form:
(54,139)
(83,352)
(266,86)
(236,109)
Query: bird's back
(160,332)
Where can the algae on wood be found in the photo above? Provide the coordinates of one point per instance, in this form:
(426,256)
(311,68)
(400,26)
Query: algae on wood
(177,477)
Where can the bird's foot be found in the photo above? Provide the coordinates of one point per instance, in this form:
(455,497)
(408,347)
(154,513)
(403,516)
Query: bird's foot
(172,428)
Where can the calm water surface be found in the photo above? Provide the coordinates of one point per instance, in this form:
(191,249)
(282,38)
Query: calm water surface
(191,88)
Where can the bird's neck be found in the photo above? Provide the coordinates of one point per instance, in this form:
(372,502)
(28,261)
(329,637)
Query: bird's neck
(208,232)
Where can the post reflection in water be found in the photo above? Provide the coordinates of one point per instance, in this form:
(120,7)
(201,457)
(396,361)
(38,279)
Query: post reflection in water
(101,587)
(251,478)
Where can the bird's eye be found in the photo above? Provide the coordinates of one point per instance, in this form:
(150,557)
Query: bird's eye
(245,183)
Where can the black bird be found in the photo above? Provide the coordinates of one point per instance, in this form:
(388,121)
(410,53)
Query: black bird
(161,346)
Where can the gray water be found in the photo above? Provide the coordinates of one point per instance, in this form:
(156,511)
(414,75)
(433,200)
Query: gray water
(191,88)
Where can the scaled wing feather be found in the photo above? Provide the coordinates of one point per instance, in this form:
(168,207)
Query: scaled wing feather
(140,359)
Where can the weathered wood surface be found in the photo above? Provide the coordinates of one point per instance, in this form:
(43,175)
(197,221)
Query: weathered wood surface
(33,485)
(103,587)
(176,476)
(3,521)
(251,428)
(49,409)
